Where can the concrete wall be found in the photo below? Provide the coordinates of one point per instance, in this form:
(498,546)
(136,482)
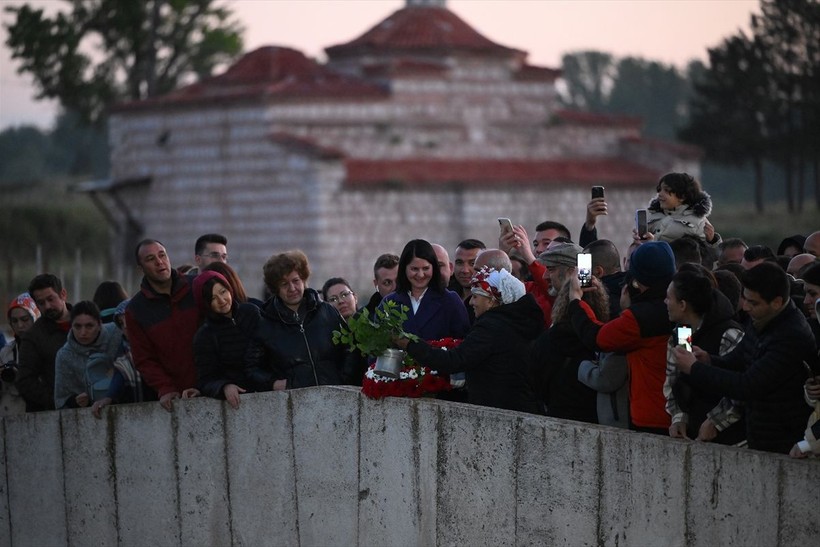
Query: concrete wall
(326,466)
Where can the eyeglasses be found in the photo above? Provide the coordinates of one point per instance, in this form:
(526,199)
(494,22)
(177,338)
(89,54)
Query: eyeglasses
(216,256)
(344,295)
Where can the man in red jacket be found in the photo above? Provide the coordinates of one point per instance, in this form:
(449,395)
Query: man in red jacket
(517,241)
(162,319)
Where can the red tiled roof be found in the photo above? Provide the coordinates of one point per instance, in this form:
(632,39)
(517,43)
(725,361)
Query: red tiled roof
(576,117)
(537,74)
(269,71)
(421,29)
(305,145)
(687,151)
(482,172)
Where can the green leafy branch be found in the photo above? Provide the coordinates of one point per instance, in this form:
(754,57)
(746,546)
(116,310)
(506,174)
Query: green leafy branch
(371,336)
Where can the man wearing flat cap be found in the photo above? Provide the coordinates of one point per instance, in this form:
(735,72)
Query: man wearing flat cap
(559,259)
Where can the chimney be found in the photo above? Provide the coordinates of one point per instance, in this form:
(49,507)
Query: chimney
(425,3)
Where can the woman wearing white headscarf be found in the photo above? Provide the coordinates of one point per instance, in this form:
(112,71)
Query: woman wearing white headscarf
(495,353)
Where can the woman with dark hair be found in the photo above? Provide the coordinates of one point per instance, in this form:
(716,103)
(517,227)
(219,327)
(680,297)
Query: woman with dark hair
(337,292)
(680,208)
(88,340)
(107,297)
(237,288)
(221,342)
(434,311)
(293,344)
(693,300)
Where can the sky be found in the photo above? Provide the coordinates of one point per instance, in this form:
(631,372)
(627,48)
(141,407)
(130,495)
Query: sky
(670,31)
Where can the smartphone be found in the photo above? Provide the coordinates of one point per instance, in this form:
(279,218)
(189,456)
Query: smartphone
(506,225)
(640,222)
(585,269)
(684,335)
(597,192)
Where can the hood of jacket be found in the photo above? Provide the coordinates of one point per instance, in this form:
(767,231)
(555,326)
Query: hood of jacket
(108,341)
(701,208)
(198,286)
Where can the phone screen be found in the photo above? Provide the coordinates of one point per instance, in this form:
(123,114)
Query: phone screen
(640,222)
(685,337)
(585,269)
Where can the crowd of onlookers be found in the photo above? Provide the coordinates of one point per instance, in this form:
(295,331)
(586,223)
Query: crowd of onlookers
(692,335)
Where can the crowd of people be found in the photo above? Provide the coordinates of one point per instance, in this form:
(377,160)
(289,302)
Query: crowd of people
(691,335)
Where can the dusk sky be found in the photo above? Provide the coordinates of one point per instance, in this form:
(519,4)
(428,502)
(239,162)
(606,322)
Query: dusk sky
(670,31)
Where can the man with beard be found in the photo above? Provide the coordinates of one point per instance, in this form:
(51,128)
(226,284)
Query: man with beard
(39,345)
(162,320)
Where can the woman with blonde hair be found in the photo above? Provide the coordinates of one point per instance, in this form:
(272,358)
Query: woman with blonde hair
(557,355)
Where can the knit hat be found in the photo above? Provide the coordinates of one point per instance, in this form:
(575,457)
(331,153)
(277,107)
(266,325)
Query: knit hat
(652,263)
(562,254)
(199,285)
(498,284)
(26,302)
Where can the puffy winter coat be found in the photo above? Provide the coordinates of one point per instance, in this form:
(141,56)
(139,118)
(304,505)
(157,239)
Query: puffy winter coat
(161,331)
(71,361)
(680,221)
(495,355)
(641,332)
(220,348)
(770,380)
(295,347)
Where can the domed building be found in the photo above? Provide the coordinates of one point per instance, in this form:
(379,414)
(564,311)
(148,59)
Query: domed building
(419,128)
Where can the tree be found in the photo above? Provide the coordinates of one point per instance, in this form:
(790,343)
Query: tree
(653,91)
(728,112)
(588,77)
(760,97)
(599,82)
(105,51)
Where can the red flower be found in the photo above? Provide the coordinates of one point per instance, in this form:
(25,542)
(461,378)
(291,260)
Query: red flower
(418,380)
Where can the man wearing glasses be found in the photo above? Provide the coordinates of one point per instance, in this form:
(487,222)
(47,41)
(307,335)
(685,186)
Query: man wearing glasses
(210,248)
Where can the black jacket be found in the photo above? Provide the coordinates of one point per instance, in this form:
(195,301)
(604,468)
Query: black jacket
(297,348)
(770,380)
(220,346)
(697,402)
(495,356)
(556,356)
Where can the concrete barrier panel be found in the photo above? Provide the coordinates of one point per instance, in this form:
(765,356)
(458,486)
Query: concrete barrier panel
(391,471)
(730,494)
(34,459)
(800,501)
(5,524)
(642,498)
(476,476)
(326,448)
(203,477)
(91,503)
(261,477)
(147,480)
(559,474)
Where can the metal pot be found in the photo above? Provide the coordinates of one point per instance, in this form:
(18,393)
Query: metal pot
(389,363)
